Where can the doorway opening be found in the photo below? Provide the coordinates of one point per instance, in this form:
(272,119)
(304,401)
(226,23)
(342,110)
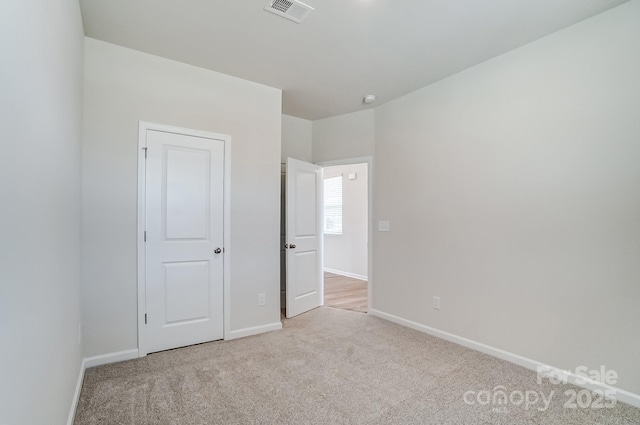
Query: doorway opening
(346,228)
(339,259)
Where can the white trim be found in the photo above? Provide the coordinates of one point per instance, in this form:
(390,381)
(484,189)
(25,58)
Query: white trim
(143,127)
(347,274)
(369,161)
(88,362)
(255,330)
(76,394)
(620,394)
(120,356)
(346,161)
(226,261)
(141,263)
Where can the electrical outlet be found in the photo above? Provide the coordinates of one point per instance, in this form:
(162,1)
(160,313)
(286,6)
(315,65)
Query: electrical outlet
(262,299)
(436,303)
(384,226)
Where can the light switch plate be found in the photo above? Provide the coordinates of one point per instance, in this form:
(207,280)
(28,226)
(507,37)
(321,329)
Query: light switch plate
(384,225)
(352,176)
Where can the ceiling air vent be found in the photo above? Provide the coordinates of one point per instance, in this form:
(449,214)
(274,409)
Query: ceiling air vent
(290,9)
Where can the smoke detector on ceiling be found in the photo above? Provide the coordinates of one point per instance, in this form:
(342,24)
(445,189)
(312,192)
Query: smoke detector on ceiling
(293,10)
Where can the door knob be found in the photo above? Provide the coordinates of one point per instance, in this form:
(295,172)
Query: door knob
(292,246)
(217,250)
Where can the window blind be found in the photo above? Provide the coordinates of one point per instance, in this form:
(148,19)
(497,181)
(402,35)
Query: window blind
(333,205)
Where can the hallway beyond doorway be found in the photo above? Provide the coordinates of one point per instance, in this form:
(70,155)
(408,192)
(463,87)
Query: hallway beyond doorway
(345,292)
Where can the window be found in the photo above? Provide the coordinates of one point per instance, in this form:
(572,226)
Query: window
(333,205)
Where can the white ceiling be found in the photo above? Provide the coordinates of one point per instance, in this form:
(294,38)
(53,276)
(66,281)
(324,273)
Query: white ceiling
(343,51)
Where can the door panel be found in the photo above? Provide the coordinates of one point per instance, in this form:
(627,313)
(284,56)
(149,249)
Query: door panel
(186,286)
(306,217)
(188,193)
(306,273)
(303,238)
(184,224)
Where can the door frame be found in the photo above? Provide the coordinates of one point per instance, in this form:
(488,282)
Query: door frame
(369,161)
(143,127)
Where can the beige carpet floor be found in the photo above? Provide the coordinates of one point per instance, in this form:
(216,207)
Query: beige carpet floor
(327,366)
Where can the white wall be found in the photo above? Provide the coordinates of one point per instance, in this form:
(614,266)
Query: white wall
(513,189)
(296,138)
(124,86)
(41,120)
(347,253)
(344,136)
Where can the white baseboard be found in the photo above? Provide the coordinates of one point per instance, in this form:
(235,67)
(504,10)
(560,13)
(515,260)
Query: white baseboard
(120,356)
(133,354)
(88,362)
(76,394)
(347,274)
(620,394)
(241,333)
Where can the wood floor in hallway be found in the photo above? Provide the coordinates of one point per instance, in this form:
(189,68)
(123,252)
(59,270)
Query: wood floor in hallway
(345,292)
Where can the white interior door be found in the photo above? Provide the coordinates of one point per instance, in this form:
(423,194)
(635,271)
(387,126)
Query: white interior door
(184,240)
(303,237)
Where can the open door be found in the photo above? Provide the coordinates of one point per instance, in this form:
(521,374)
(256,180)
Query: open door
(303,241)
